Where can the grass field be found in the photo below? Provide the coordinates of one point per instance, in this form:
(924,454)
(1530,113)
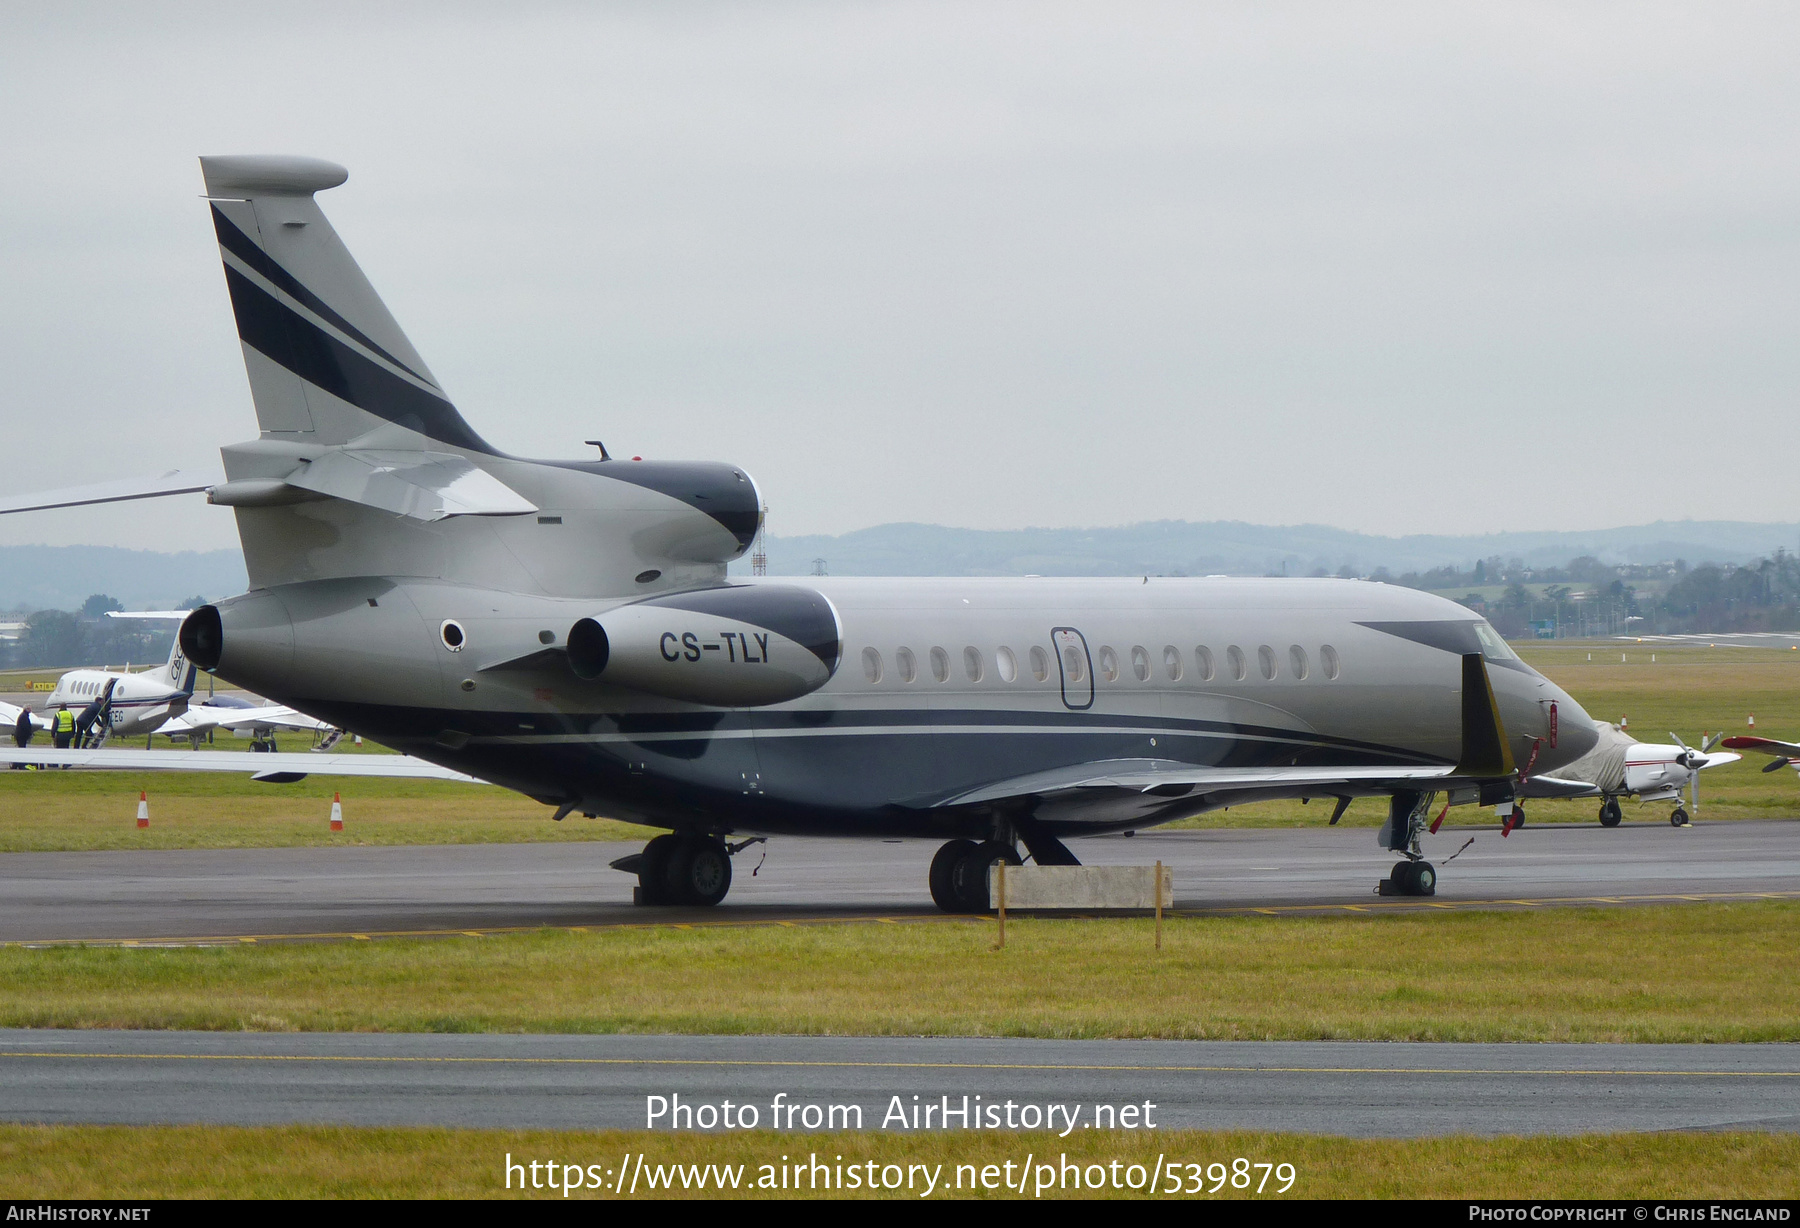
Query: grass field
(52,811)
(1684,973)
(127,1162)
(1686,689)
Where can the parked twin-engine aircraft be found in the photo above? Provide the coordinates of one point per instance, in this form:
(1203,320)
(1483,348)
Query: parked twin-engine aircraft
(129,703)
(1620,766)
(567,628)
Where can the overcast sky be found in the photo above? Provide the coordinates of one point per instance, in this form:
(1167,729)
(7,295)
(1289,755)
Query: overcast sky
(1433,268)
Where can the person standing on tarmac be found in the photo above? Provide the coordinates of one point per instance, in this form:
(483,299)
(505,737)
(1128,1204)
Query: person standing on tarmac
(22,731)
(62,732)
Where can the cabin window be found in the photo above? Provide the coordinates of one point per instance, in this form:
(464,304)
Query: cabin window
(1265,661)
(903,661)
(1328,661)
(1297,660)
(1005,664)
(1234,659)
(1109,665)
(1074,666)
(1040,664)
(1140,663)
(1203,662)
(1172,663)
(940,665)
(972,663)
(871,665)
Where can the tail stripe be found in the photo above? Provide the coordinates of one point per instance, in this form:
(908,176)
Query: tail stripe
(245,248)
(286,337)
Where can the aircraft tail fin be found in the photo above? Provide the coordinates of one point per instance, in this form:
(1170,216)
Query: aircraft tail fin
(327,362)
(178,673)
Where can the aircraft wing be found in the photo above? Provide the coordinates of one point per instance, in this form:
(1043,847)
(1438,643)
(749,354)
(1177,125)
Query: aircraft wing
(1175,779)
(1767,746)
(199,718)
(170,482)
(9,716)
(1485,756)
(276,768)
(1556,786)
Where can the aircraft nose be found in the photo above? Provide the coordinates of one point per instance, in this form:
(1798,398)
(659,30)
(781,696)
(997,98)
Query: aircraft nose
(1576,732)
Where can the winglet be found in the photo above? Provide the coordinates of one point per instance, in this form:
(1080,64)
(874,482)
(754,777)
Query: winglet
(1485,752)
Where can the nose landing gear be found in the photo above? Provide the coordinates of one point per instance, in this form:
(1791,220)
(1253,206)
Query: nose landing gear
(1408,814)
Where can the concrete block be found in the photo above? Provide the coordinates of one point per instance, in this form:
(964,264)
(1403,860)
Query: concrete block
(1081,887)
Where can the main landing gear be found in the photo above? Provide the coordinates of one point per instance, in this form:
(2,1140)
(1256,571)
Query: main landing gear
(1678,817)
(959,873)
(1408,815)
(1610,815)
(681,869)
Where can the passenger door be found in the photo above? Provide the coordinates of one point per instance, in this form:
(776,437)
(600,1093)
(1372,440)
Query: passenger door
(1076,667)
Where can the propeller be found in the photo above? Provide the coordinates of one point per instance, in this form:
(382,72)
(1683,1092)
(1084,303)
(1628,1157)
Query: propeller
(1693,760)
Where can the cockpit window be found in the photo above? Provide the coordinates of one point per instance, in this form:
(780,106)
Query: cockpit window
(1492,646)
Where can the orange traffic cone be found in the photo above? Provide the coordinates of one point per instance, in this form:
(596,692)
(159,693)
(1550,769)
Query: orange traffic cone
(143,808)
(337,813)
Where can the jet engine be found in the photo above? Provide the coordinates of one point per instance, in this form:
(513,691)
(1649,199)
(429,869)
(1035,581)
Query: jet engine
(732,647)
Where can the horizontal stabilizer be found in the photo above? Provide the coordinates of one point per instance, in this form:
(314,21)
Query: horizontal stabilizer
(286,765)
(422,485)
(171,482)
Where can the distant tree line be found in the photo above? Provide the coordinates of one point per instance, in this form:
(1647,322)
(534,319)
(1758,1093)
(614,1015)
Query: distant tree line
(1588,597)
(86,636)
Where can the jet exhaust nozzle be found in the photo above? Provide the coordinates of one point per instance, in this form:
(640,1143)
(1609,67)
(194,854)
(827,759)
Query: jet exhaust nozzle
(737,646)
(202,637)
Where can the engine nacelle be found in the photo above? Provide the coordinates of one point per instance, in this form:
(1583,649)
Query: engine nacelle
(1650,768)
(740,646)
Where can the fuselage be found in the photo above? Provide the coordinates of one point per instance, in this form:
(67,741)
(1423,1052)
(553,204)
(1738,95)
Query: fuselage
(140,703)
(941,687)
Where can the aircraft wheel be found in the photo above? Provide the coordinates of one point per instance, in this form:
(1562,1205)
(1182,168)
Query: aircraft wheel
(653,870)
(1679,818)
(1609,813)
(698,872)
(943,873)
(1424,878)
(969,880)
(1518,816)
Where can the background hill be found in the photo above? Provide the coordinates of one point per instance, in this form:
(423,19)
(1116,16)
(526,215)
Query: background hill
(1171,547)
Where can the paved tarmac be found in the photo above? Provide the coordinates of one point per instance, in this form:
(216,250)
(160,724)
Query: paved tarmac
(336,892)
(595,1082)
